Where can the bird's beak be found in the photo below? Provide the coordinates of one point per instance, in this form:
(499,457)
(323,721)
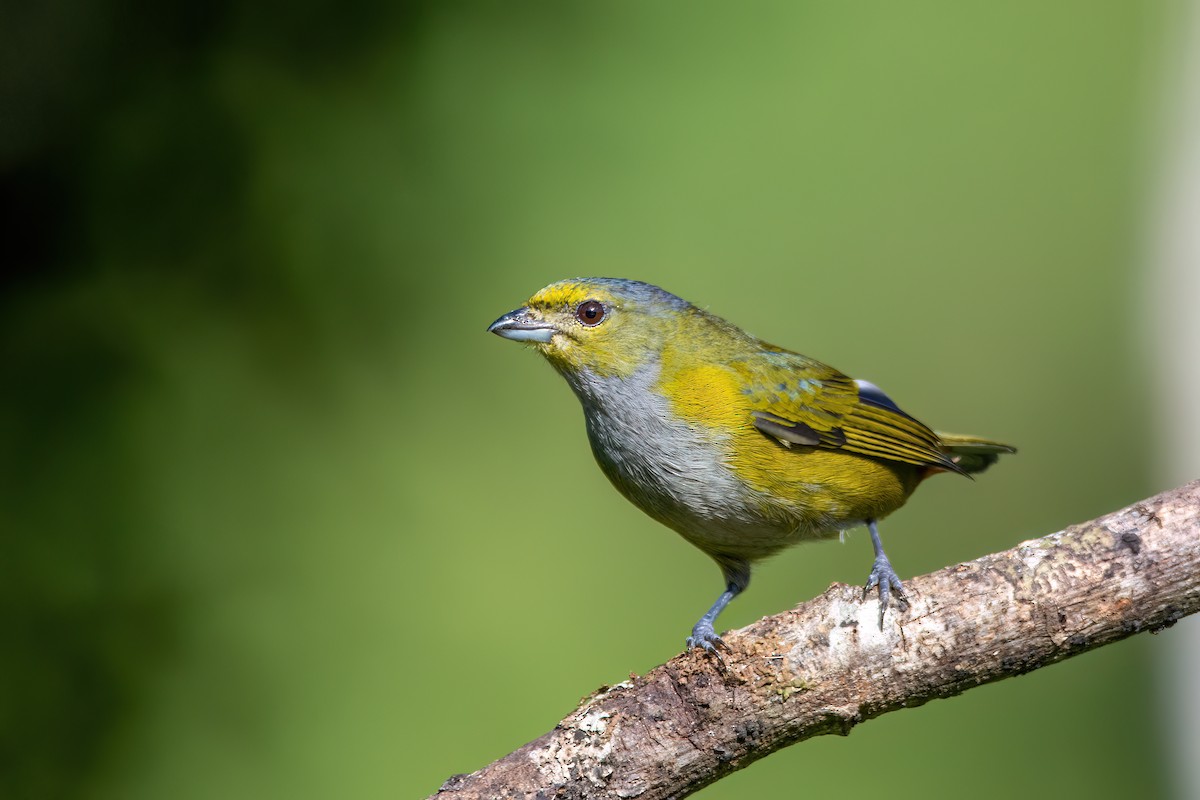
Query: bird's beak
(523,325)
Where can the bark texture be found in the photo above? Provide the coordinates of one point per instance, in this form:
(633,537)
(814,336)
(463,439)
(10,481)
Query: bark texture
(826,666)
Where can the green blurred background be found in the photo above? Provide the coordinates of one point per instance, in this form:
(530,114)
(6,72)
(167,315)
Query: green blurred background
(280,519)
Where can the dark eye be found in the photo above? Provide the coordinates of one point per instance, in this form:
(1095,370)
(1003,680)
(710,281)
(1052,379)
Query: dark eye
(590,312)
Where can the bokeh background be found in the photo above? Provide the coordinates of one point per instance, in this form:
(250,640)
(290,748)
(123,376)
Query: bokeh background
(279,519)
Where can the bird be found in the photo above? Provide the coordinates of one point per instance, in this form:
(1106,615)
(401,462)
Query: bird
(742,447)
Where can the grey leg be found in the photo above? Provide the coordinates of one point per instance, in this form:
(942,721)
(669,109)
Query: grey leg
(737,578)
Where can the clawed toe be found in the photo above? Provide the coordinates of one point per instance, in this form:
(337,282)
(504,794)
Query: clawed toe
(705,638)
(886,579)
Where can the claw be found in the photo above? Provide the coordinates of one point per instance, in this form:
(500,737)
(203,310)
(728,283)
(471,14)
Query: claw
(709,642)
(704,637)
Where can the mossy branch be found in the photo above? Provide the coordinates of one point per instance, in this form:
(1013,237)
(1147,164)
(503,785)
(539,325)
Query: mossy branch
(826,666)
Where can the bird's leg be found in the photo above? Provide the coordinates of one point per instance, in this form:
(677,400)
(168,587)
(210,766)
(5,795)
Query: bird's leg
(737,578)
(882,575)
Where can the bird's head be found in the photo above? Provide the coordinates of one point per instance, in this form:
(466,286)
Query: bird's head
(605,326)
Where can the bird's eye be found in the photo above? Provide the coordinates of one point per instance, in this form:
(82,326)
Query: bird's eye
(590,312)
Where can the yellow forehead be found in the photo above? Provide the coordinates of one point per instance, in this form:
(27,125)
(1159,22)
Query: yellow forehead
(568,294)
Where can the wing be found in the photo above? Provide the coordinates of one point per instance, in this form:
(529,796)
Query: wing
(804,402)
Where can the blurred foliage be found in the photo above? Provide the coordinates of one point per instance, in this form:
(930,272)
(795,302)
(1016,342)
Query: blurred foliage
(279,519)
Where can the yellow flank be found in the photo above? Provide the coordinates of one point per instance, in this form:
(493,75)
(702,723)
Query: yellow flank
(821,489)
(705,394)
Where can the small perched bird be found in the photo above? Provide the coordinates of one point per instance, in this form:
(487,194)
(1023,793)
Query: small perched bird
(740,446)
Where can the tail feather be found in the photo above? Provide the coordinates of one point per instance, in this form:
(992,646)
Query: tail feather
(973,453)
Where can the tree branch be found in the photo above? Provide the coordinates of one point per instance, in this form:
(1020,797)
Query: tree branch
(826,666)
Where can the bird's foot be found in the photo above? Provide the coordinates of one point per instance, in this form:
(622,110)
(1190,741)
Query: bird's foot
(883,576)
(704,637)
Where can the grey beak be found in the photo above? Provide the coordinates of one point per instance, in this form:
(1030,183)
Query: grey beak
(521,326)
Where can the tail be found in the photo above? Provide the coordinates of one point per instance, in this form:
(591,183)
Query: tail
(973,453)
